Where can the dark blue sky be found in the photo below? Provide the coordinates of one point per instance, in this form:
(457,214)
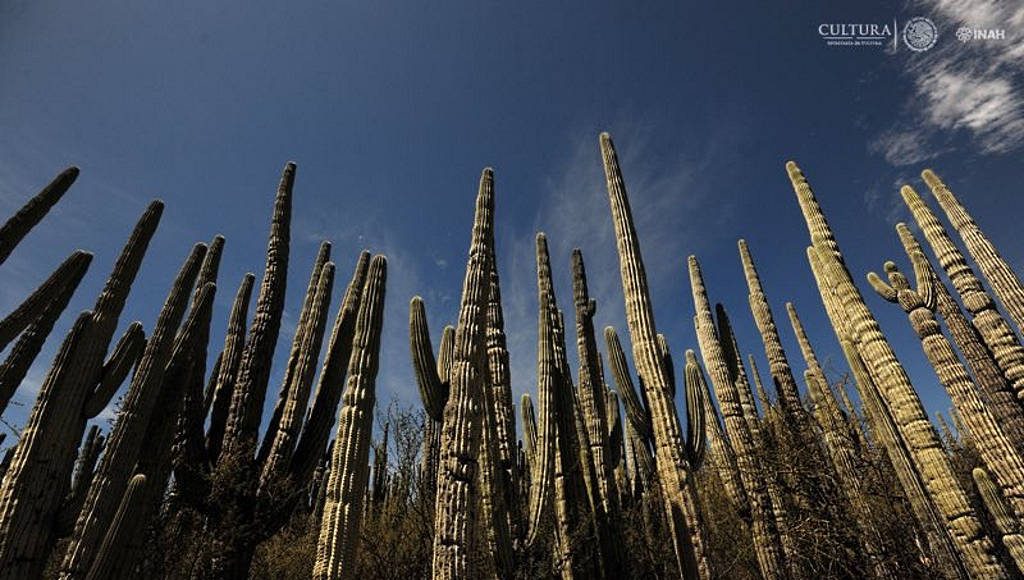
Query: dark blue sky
(392,111)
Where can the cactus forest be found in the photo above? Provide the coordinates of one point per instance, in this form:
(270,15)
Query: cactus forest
(647,460)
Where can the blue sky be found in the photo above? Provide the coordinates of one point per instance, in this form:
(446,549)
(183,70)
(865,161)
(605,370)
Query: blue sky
(391,112)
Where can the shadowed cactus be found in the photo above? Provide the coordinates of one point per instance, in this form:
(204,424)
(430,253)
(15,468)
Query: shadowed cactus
(37,479)
(897,393)
(117,536)
(1007,523)
(20,224)
(680,505)
(346,483)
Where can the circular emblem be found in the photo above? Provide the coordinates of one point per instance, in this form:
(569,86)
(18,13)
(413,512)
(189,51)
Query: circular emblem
(920,34)
(964,34)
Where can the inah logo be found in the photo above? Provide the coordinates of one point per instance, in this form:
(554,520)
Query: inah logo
(920,34)
(966,34)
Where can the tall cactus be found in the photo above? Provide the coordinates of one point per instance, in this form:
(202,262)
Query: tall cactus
(39,300)
(897,393)
(460,436)
(688,537)
(117,536)
(765,535)
(126,441)
(995,448)
(343,510)
(433,386)
(21,223)
(1008,524)
(1001,278)
(38,477)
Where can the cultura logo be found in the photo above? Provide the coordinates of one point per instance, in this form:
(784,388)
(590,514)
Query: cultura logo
(920,34)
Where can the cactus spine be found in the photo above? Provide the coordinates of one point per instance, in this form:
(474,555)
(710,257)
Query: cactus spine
(897,393)
(455,508)
(348,477)
(673,465)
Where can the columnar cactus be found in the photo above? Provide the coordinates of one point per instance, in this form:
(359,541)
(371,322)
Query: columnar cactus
(734,361)
(1004,282)
(24,352)
(898,394)
(778,364)
(1009,525)
(529,419)
(127,439)
(999,398)
(21,223)
(460,436)
(38,477)
(673,465)
(117,536)
(346,484)
(432,380)
(995,448)
(39,300)
(765,535)
(995,331)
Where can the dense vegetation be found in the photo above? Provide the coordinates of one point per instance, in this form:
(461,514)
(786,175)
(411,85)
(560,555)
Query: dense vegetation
(607,480)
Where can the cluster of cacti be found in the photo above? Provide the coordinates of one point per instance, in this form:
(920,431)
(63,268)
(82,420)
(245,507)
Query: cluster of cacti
(189,481)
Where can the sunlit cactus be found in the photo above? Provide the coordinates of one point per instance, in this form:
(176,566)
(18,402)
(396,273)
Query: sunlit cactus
(343,510)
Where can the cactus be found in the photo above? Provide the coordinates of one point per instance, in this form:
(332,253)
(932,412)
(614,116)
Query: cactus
(1000,400)
(117,536)
(673,468)
(897,393)
(529,419)
(1004,282)
(460,436)
(126,440)
(24,352)
(765,536)
(993,445)
(39,474)
(250,387)
(234,343)
(69,272)
(993,328)
(734,362)
(85,470)
(1007,523)
(347,481)
(21,223)
(432,380)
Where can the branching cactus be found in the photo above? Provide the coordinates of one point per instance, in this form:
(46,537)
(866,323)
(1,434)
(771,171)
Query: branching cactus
(346,484)
(993,445)
(432,380)
(1008,524)
(766,538)
(39,473)
(455,508)
(1004,282)
(897,393)
(999,397)
(993,328)
(20,224)
(688,537)
(127,438)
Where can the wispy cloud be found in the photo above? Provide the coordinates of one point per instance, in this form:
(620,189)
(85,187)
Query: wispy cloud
(972,88)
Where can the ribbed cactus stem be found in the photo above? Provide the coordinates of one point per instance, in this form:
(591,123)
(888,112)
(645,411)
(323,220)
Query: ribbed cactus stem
(127,439)
(1004,282)
(21,223)
(734,361)
(993,328)
(542,444)
(765,535)
(1008,524)
(460,437)
(305,345)
(688,537)
(312,444)
(501,385)
(343,511)
(121,361)
(433,390)
(39,300)
(898,394)
(995,448)
(25,350)
(759,390)
(529,420)
(234,344)
(254,368)
(1000,398)
(118,535)
(37,479)
(636,411)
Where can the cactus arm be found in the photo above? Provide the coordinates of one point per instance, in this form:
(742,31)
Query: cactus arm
(529,418)
(118,535)
(884,290)
(120,362)
(636,413)
(37,302)
(21,223)
(433,392)
(696,433)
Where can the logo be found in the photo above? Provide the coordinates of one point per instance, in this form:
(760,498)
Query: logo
(920,34)
(966,34)
(857,33)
